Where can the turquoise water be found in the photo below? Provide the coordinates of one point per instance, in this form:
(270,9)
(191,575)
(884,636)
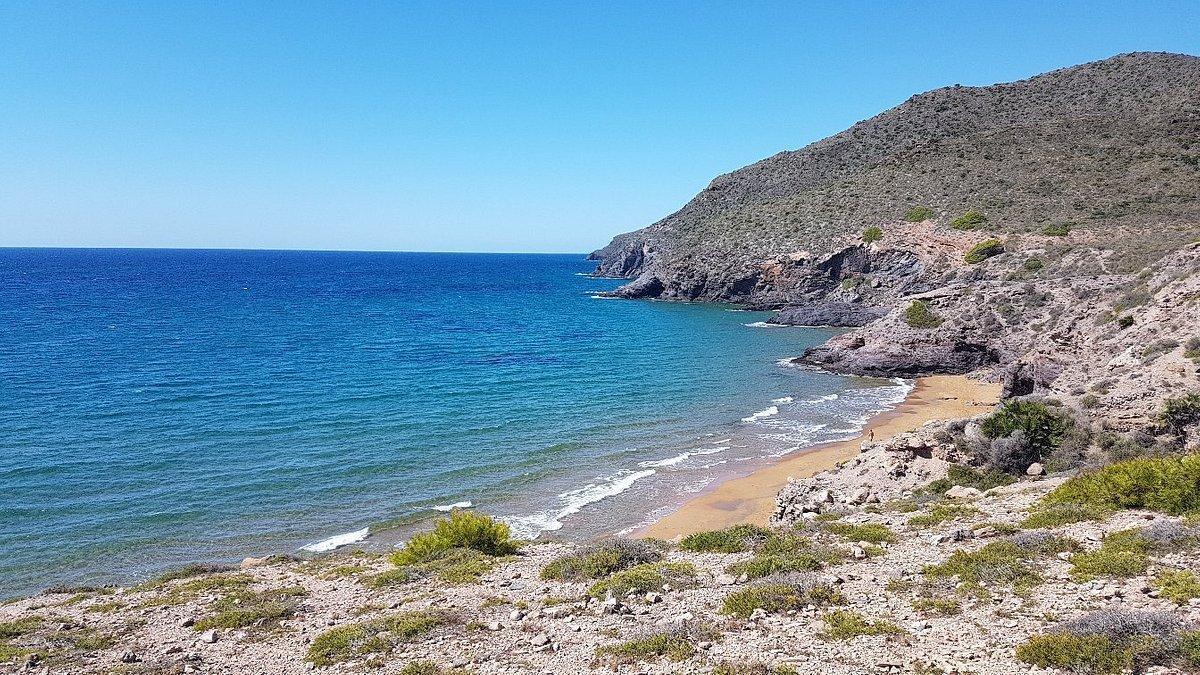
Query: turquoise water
(160,407)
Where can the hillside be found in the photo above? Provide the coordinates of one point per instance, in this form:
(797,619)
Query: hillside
(1083,186)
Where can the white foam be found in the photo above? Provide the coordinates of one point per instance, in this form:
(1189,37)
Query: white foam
(763,324)
(783,400)
(573,502)
(672,461)
(822,399)
(604,297)
(762,414)
(337,541)
(455,505)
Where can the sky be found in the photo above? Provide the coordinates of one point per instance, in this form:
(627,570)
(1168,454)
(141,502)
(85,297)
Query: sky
(482,126)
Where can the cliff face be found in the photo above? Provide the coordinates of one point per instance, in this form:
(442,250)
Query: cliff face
(1088,176)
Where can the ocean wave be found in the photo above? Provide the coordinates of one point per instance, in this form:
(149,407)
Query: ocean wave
(672,461)
(782,400)
(573,502)
(763,324)
(455,505)
(337,541)
(762,414)
(604,297)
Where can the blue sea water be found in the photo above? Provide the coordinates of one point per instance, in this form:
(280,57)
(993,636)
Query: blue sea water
(159,407)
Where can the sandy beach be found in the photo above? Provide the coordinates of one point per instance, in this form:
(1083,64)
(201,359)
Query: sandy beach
(751,499)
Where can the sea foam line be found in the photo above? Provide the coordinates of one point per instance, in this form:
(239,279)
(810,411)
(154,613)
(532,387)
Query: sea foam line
(456,505)
(672,461)
(573,502)
(762,414)
(337,541)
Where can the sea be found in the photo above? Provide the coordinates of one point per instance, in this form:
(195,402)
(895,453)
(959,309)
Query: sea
(163,407)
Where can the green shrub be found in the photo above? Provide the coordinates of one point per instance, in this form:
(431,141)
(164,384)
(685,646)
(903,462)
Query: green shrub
(1167,484)
(1058,229)
(356,640)
(776,597)
(875,533)
(1063,513)
(919,213)
(754,668)
(1033,265)
(245,608)
(729,540)
(969,220)
(1122,554)
(1000,562)
(1076,653)
(919,315)
(462,529)
(1191,348)
(1178,586)
(676,644)
(941,513)
(984,250)
(766,564)
(980,479)
(937,606)
(1042,429)
(1180,412)
(846,625)
(1189,647)
(601,559)
(644,578)
(430,668)
(872,234)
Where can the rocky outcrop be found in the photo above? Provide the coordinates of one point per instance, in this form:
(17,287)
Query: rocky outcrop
(837,314)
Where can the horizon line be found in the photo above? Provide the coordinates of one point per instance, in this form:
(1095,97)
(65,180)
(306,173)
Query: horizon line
(277,250)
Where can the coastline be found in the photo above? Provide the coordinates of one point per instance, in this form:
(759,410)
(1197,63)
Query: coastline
(751,498)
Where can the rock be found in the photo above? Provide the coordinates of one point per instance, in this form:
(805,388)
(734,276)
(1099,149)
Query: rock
(1035,469)
(187,622)
(129,657)
(516,615)
(653,598)
(540,640)
(837,314)
(209,636)
(961,492)
(249,562)
(494,626)
(758,614)
(858,553)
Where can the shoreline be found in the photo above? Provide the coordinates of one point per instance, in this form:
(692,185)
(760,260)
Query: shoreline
(751,498)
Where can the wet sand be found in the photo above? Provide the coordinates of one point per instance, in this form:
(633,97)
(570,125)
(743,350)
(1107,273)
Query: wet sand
(751,499)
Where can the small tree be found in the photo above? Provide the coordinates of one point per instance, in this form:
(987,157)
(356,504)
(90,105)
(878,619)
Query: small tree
(969,220)
(872,234)
(919,315)
(984,250)
(918,214)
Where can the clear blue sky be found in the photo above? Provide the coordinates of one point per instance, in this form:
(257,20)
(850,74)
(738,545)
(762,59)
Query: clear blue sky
(484,126)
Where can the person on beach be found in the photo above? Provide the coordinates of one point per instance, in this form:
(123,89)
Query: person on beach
(870,435)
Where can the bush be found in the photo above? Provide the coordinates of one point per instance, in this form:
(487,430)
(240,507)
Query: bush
(677,644)
(919,213)
(982,480)
(462,529)
(942,513)
(244,608)
(1042,543)
(1178,586)
(601,559)
(429,668)
(875,533)
(644,578)
(755,668)
(1000,562)
(846,625)
(1041,432)
(787,593)
(1167,484)
(937,606)
(1181,412)
(1054,515)
(1058,229)
(356,640)
(984,250)
(730,540)
(1109,641)
(1033,265)
(919,315)
(969,220)
(1122,554)
(872,234)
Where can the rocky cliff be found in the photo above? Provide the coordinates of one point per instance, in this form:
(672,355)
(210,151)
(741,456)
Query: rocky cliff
(1055,238)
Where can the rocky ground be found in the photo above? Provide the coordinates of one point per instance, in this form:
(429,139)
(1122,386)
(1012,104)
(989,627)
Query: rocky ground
(510,620)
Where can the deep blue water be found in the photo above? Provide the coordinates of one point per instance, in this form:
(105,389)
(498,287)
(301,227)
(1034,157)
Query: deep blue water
(159,406)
